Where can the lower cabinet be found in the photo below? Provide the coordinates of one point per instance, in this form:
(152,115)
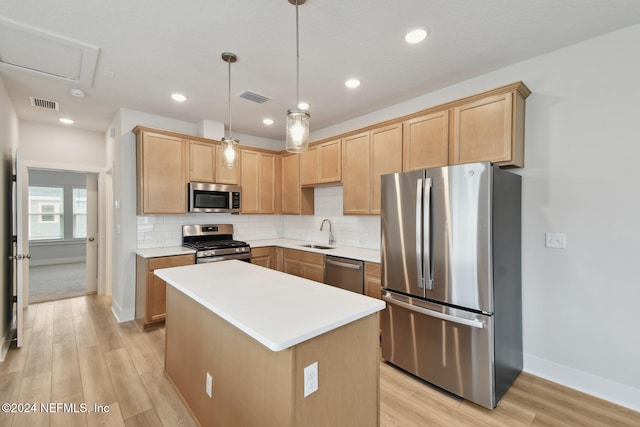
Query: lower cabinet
(268,256)
(151,290)
(372,280)
(309,265)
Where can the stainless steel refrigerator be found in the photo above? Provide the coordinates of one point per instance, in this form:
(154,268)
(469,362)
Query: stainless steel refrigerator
(451,273)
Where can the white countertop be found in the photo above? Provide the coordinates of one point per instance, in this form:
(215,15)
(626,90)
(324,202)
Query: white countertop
(369,255)
(277,309)
(164,251)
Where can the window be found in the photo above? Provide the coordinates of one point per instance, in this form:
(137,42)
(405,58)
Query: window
(79,213)
(46,213)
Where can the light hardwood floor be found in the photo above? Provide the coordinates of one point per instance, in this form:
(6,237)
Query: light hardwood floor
(76,352)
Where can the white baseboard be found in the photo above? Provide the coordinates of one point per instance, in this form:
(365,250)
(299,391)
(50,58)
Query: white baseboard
(585,382)
(120,314)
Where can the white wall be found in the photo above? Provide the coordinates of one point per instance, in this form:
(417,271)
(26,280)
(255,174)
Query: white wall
(64,147)
(8,146)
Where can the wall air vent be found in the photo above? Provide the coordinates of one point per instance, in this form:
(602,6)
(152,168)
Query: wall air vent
(255,97)
(44,103)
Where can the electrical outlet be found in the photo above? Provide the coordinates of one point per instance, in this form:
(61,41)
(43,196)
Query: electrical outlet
(209,385)
(555,240)
(311,379)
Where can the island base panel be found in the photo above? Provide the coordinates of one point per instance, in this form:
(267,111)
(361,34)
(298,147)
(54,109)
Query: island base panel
(255,386)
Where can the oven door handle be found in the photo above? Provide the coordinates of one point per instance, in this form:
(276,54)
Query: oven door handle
(442,316)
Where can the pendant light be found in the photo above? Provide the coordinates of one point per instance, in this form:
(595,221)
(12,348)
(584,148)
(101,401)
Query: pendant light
(297,118)
(229,144)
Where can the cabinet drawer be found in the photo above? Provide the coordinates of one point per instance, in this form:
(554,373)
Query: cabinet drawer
(258,252)
(170,261)
(304,256)
(372,269)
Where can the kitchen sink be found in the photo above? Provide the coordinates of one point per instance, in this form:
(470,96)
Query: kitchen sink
(317,246)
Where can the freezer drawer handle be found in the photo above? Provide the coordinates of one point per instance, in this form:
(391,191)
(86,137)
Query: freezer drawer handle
(449,318)
(344,264)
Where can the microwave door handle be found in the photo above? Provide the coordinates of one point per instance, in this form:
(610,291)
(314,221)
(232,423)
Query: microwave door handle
(419,231)
(428,273)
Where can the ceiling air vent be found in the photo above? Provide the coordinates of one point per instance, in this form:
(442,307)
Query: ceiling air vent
(44,103)
(255,97)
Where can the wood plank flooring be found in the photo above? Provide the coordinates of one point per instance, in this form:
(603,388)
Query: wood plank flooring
(75,352)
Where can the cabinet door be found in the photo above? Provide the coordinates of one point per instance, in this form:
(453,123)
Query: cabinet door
(267,182)
(309,166)
(226,175)
(482,130)
(330,162)
(313,272)
(372,280)
(386,157)
(250,185)
(202,161)
(426,141)
(156,298)
(291,184)
(162,174)
(355,179)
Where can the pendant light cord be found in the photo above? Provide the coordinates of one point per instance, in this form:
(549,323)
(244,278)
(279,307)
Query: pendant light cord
(297,61)
(229,95)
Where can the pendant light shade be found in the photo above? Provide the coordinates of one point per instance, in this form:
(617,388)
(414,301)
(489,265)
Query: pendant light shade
(229,144)
(297,119)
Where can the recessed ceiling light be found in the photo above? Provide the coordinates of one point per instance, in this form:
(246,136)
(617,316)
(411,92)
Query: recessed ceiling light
(268,122)
(416,35)
(78,93)
(303,106)
(66,120)
(352,83)
(178,97)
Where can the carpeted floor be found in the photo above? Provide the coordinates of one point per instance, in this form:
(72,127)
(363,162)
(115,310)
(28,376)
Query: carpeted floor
(51,282)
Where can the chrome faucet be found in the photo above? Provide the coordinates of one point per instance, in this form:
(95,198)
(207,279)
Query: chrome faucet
(331,239)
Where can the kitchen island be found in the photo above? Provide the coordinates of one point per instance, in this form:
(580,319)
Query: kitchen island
(254,331)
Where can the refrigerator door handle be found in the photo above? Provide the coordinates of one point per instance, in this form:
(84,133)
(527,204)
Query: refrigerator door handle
(419,225)
(428,274)
(447,317)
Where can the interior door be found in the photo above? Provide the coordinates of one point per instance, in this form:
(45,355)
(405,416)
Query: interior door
(92,233)
(21,247)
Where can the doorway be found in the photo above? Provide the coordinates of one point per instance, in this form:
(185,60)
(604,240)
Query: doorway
(62,225)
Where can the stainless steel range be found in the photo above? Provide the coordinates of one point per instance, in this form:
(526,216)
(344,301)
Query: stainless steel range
(214,242)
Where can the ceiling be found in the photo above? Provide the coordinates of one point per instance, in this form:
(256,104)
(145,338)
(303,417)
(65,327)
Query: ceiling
(147,49)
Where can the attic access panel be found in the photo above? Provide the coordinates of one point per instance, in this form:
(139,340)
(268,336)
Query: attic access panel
(36,51)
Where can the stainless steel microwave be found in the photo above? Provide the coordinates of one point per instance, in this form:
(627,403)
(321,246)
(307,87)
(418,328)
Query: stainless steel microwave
(207,197)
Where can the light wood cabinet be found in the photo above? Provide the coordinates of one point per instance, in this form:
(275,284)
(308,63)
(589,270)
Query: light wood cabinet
(202,161)
(305,264)
(262,256)
(322,164)
(295,199)
(258,179)
(151,290)
(426,141)
(161,172)
(367,156)
(490,128)
(372,280)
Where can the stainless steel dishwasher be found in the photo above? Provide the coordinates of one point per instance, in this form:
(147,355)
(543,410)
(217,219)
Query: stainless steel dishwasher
(344,273)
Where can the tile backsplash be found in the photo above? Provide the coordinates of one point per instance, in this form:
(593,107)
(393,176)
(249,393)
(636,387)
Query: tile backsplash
(359,231)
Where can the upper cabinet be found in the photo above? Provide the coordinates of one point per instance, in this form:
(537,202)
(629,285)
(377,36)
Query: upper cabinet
(295,199)
(258,180)
(162,169)
(426,141)
(365,157)
(202,161)
(490,128)
(322,164)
